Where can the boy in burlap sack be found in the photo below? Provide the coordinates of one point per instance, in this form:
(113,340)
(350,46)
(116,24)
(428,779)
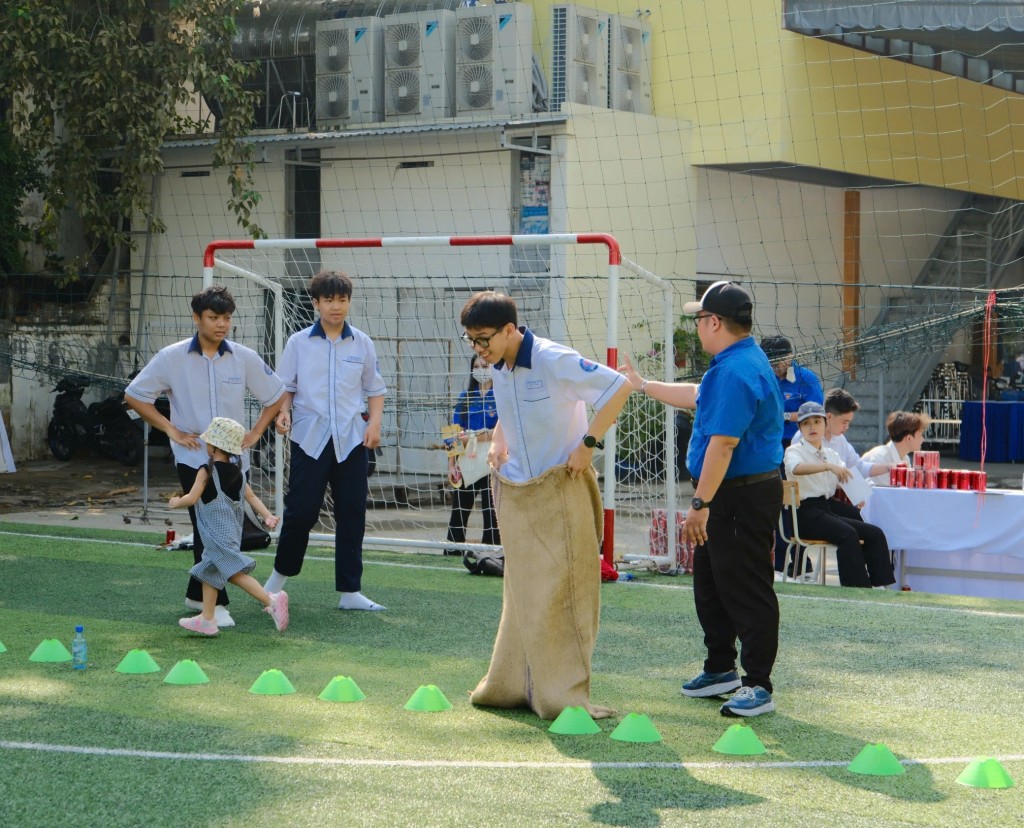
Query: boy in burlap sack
(549,508)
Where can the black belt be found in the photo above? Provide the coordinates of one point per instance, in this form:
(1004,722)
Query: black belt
(747,480)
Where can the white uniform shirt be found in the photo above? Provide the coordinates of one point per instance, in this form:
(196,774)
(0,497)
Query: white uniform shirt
(542,403)
(847,454)
(329,378)
(200,388)
(819,484)
(882,454)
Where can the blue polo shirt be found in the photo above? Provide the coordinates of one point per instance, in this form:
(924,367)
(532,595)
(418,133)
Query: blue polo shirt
(739,397)
(474,411)
(804,388)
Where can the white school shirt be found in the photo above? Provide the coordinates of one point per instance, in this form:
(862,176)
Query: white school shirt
(882,454)
(847,454)
(329,378)
(542,403)
(819,484)
(200,388)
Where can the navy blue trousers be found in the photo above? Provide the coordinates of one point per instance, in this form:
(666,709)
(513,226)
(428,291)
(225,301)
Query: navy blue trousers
(307,483)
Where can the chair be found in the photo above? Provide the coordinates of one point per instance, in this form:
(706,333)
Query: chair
(794,542)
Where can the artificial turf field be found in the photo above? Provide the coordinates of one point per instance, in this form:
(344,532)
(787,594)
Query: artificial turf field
(934,678)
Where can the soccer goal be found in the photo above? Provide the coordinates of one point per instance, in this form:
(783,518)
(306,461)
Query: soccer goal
(408,292)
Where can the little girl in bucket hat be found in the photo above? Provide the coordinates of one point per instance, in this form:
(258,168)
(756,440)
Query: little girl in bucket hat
(217,496)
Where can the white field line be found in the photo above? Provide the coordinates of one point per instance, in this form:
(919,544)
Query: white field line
(627,585)
(43,747)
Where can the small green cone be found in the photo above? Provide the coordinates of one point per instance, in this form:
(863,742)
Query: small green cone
(138,661)
(876,760)
(574,721)
(272,683)
(985,772)
(636,727)
(342,689)
(740,740)
(186,671)
(428,699)
(3,649)
(50,650)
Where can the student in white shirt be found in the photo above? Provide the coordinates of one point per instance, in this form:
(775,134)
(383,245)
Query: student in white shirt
(906,434)
(840,408)
(819,470)
(205,377)
(328,369)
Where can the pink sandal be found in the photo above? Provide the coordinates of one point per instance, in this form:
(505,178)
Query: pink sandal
(198,624)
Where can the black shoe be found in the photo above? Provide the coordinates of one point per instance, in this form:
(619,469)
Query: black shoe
(452,552)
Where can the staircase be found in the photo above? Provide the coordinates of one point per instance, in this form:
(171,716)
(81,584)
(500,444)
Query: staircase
(915,323)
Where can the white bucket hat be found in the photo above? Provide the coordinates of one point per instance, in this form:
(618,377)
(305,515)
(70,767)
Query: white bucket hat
(225,434)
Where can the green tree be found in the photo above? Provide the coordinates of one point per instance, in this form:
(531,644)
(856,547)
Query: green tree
(19,175)
(95,87)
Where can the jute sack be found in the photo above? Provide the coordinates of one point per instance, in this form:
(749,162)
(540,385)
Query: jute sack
(550,531)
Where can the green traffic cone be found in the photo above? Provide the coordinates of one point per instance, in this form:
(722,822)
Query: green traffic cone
(186,671)
(876,760)
(428,699)
(740,740)
(50,651)
(636,727)
(3,649)
(342,689)
(574,721)
(272,683)
(985,772)
(136,662)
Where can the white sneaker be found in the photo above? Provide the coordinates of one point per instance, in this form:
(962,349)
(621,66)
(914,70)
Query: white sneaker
(194,605)
(223,617)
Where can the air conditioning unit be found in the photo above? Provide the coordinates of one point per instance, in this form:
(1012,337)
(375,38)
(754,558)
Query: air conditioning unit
(629,75)
(349,72)
(579,56)
(419,66)
(494,60)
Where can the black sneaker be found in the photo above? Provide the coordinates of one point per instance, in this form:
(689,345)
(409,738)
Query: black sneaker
(711,684)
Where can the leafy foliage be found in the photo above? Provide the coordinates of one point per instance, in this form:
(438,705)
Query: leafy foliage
(97,85)
(18,176)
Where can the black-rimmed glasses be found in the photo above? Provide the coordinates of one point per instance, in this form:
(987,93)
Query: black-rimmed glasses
(479,341)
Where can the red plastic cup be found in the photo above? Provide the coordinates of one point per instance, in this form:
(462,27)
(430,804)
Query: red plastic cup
(980,481)
(169,538)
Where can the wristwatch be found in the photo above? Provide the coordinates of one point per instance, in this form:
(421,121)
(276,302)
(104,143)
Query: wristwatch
(590,441)
(697,504)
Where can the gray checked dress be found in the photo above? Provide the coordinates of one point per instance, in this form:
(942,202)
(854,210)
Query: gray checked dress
(220,525)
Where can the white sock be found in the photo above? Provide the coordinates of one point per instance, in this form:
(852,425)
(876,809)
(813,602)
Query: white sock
(276,582)
(357,601)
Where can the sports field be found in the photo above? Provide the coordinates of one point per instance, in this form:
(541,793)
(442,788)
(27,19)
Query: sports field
(936,679)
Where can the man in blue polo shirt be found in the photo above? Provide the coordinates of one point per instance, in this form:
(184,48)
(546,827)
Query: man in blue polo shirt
(328,369)
(734,457)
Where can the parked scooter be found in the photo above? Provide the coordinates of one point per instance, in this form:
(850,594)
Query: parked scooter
(104,424)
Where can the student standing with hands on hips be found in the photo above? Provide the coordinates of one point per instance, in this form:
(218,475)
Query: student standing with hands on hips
(328,368)
(734,456)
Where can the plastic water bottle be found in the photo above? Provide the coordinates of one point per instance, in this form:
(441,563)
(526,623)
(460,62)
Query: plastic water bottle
(78,649)
(626,576)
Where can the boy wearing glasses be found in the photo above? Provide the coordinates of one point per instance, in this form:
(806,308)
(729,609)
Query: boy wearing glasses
(734,456)
(548,505)
(328,369)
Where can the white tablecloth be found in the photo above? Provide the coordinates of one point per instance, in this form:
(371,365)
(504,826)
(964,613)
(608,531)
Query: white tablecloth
(960,543)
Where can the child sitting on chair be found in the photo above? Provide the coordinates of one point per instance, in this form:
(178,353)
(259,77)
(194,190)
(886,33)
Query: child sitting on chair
(819,471)
(217,496)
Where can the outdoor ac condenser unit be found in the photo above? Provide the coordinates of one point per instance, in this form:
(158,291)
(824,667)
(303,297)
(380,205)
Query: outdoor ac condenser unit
(419,66)
(494,60)
(629,76)
(579,56)
(349,72)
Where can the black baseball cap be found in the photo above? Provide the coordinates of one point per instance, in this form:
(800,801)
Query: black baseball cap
(723,299)
(776,347)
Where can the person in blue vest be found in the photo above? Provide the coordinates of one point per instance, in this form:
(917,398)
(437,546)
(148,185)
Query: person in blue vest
(475,413)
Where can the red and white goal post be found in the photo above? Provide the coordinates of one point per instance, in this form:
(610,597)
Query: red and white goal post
(408,291)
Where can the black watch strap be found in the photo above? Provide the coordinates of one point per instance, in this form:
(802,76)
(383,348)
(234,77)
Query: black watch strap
(590,441)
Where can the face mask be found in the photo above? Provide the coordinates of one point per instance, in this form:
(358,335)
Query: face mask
(482,374)
(790,374)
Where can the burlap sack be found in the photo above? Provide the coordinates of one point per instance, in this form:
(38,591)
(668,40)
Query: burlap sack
(550,531)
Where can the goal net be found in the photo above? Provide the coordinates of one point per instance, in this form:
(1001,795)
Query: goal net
(408,293)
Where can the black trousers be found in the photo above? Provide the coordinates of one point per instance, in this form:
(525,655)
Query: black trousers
(187,477)
(840,523)
(307,483)
(462,505)
(733,582)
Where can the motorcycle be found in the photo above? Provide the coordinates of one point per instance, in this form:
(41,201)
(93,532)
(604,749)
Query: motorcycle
(104,424)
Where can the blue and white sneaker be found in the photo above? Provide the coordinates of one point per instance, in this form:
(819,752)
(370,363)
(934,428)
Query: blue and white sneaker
(749,701)
(711,684)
